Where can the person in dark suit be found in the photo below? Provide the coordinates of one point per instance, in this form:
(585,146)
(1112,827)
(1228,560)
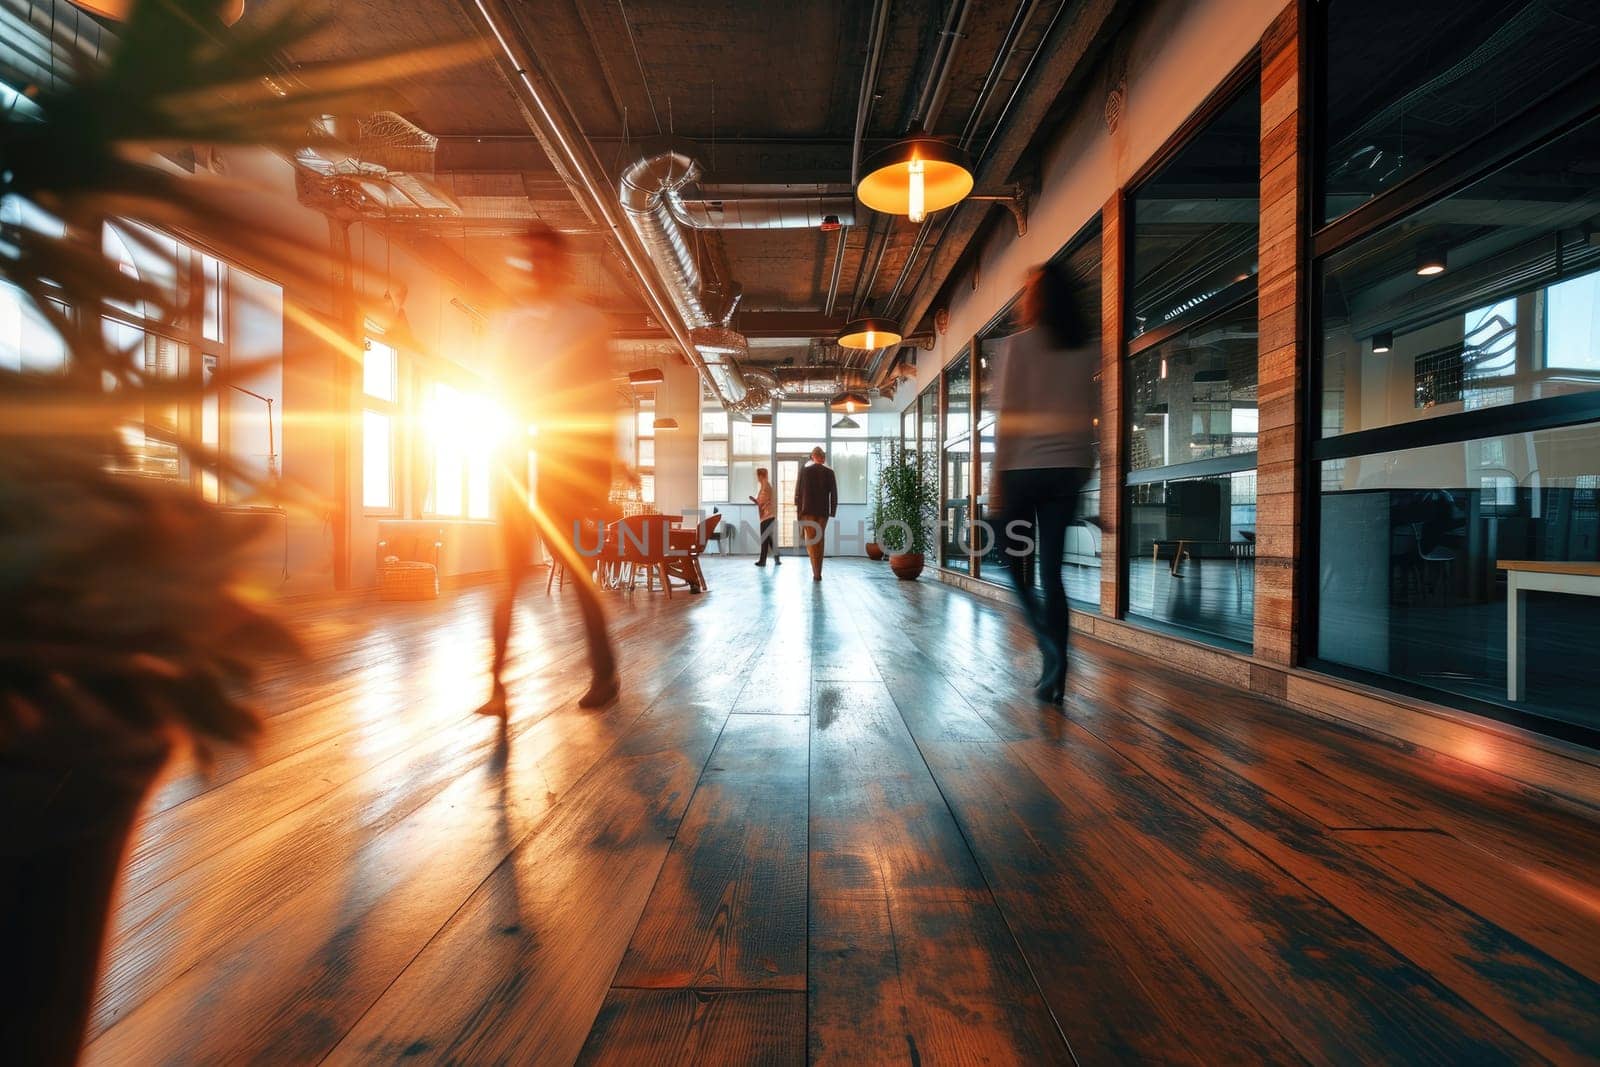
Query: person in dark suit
(816,499)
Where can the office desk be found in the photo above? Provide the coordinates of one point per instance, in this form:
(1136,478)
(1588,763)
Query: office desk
(1528,575)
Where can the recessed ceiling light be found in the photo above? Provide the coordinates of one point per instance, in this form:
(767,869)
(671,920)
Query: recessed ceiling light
(1430,261)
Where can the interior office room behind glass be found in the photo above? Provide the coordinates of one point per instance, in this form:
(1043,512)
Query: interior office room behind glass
(1457,393)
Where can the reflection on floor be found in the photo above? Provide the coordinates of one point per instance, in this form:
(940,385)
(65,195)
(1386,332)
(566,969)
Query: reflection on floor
(824,823)
(1213,596)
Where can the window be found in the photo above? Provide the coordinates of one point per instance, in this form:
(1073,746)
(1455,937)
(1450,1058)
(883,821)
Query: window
(1460,428)
(848,451)
(752,448)
(459,439)
(1196,221)
(380,405)
(644,422)
(1191,374)
(1438,76)
(956,461)
(714,457)
(27,343)
(1510,320)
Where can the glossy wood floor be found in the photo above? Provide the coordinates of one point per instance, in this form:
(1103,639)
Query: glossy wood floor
(825,824)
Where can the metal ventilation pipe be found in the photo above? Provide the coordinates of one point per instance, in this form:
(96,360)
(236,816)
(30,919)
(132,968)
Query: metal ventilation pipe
(660,196)
(715,209)
(645,189)
(796,383)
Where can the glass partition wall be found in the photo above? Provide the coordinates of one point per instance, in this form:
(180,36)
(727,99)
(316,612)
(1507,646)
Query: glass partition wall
(1456,380)
(1191,381)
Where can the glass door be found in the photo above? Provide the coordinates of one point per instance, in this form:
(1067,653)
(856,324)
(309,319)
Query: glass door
(788,474)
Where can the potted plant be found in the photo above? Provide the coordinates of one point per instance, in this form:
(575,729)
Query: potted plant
(910,510)
(124,633)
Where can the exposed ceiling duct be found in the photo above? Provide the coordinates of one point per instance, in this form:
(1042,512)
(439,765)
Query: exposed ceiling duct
(817,383)
(661,197)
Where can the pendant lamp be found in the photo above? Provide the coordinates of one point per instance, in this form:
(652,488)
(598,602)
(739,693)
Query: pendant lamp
(915,176)
(868,333)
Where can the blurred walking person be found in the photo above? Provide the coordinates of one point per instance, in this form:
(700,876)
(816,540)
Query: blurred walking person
(553,373)
(767,510)
(816,499)
(1044,452)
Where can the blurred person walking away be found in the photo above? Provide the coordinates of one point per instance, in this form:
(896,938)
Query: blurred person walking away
(553,373)
(767,510)
(1044,452)
(816,500)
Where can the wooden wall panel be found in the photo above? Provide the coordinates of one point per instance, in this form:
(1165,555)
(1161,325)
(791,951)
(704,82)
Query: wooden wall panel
(1113,245)
(1282,351)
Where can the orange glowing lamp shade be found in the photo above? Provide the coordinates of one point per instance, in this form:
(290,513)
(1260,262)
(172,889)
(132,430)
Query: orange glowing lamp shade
(849,402)
(869,333)
(914,177)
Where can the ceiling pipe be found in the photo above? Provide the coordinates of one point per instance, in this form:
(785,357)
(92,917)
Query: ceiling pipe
(1077,30)
(869,84)
(575,159)
(660,196)
(705,208)
(1002,59)
(833,278)
(931,102)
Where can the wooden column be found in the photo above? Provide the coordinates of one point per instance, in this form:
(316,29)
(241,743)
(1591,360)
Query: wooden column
(1113,246)
(1282,376)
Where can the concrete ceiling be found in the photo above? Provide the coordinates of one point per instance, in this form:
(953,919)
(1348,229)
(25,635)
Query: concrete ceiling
(769,92)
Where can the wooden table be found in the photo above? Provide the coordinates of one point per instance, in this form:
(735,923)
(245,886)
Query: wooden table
(1523,576)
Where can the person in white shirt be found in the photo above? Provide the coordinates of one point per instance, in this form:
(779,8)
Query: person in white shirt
(1044,451)
(767,510)
(553,372)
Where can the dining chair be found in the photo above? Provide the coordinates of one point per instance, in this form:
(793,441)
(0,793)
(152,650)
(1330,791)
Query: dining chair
(643,542)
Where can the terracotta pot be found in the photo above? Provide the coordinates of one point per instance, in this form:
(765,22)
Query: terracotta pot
(874,550)
(907,566)
(73,807)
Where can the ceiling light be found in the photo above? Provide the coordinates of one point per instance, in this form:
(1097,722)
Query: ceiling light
(869,333)
(915,176)
(849,402)
(648,376)
(666,422)
(761,419)
(1382,341)
(1430,261)
(847,423)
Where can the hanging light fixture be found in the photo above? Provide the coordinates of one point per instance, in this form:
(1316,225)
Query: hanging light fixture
(761,418)
(915,176)
(647,376)
(846,423)
(1382,341)
(868,333)
(1430,261)
(849,402)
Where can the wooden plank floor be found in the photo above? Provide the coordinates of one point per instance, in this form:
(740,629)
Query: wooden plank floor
(826,824)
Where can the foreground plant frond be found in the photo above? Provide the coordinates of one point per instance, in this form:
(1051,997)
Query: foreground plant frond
(122,605)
